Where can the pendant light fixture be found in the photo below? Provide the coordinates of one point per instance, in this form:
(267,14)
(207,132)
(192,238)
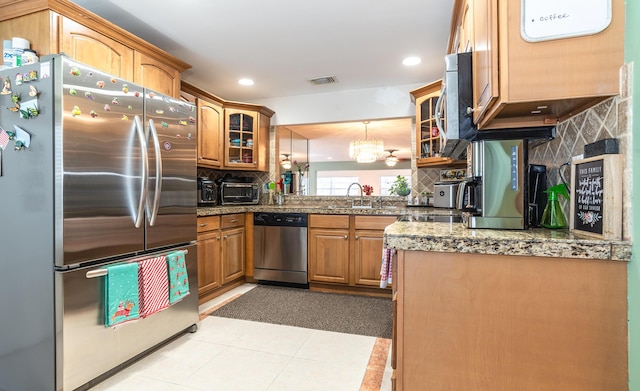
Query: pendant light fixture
(286,162)
(366,151)
(391,160)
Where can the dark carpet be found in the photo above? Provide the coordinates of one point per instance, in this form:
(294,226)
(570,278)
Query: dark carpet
(363,315)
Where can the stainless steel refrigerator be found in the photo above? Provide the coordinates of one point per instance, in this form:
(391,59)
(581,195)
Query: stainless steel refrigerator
(95,171)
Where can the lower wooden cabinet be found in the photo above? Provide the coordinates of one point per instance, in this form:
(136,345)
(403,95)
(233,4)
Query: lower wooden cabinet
(221,253)
(209,265)
(329,255)
(346,249)
(499,322)
(233,247)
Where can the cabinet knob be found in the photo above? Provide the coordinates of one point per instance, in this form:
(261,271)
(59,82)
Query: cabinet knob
(357,237)
(346,237)
(226,236)
(218,238)
(470,110)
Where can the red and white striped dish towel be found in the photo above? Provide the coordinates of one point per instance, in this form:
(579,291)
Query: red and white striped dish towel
(153,285)
(386,271)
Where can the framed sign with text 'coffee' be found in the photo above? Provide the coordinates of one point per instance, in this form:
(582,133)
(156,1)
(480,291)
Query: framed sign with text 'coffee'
(596,196)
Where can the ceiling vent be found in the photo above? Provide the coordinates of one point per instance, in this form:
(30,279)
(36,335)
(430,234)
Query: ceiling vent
(323,80)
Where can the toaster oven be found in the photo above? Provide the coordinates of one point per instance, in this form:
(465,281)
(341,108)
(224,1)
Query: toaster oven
(238,193)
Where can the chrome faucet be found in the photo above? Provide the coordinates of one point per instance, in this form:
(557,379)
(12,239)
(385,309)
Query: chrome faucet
(357,184)
(353,202)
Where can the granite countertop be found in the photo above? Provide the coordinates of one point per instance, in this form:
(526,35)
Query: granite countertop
(541,242)
(417,234)
(385,211)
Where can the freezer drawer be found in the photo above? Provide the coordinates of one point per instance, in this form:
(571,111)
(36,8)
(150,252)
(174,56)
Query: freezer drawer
(89,349)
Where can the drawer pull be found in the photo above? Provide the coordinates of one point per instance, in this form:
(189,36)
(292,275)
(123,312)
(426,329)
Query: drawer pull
(234,220)
(203,225)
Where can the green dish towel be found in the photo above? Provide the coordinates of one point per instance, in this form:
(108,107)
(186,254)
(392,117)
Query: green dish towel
(178,277)
(121,294)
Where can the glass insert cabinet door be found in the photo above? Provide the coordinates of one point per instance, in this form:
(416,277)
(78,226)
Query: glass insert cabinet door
(241,133)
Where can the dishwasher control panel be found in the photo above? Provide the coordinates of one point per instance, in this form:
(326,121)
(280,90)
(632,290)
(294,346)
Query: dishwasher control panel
(281,219)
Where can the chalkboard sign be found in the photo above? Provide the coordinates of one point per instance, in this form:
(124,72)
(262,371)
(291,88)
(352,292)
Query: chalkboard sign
(543,20)
(596,195)
(588,200)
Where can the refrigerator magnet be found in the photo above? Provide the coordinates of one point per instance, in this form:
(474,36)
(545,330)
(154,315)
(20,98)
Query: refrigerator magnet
(33,91)
(4,139)
(23,138)
(18,79)
(6,88)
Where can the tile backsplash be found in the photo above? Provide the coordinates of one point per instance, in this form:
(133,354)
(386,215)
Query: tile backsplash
(610,118)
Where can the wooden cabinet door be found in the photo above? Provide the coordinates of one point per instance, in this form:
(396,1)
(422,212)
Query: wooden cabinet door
(208,262)
(96,50)
(240,142)
(233,242)
(368,256)
(485,56)
(329,255)
(210,130)
(262,146)
(156,75)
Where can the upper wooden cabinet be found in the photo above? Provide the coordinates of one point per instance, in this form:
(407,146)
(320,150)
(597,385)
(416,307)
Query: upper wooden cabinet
(246,137)
(92,48)
(428,142)
(519,83)
(231,135)
(210,131)
(156,75)
(59,26)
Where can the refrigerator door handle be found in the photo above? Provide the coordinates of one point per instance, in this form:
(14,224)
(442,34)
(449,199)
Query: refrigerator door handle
(156,198)
(137,124)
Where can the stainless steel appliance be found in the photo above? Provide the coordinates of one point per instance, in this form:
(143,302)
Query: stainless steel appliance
(280,247)
(107,176)
(207,192)
(494,194)
(454,105)
(238,193)
(445,194)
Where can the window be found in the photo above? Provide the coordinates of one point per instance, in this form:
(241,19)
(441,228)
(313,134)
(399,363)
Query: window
(334,185)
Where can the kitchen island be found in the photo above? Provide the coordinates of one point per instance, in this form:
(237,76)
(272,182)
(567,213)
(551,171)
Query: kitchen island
(507,310)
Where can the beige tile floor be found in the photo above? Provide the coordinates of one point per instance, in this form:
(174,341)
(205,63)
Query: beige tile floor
(230,354)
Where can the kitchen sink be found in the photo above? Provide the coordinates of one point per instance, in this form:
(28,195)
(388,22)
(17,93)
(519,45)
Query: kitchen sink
(431,218)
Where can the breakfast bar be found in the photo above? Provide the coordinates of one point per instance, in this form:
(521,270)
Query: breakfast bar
(529,309)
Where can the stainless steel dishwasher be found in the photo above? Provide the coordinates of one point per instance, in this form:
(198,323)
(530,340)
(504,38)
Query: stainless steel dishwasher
(280,247)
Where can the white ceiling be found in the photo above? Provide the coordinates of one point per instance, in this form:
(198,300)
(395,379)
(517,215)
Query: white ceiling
(280,44)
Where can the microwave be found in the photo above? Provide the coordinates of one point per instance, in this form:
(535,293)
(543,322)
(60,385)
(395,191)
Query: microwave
(238,193)
(455,106)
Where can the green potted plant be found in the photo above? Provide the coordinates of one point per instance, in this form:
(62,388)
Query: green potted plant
(400,187)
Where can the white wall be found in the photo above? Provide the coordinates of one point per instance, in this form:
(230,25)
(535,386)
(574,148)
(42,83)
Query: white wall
(353,105)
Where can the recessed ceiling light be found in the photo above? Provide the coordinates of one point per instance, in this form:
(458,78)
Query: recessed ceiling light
(410,61)
(245,82)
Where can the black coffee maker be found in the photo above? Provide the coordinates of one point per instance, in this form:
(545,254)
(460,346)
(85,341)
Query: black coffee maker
(537,183)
